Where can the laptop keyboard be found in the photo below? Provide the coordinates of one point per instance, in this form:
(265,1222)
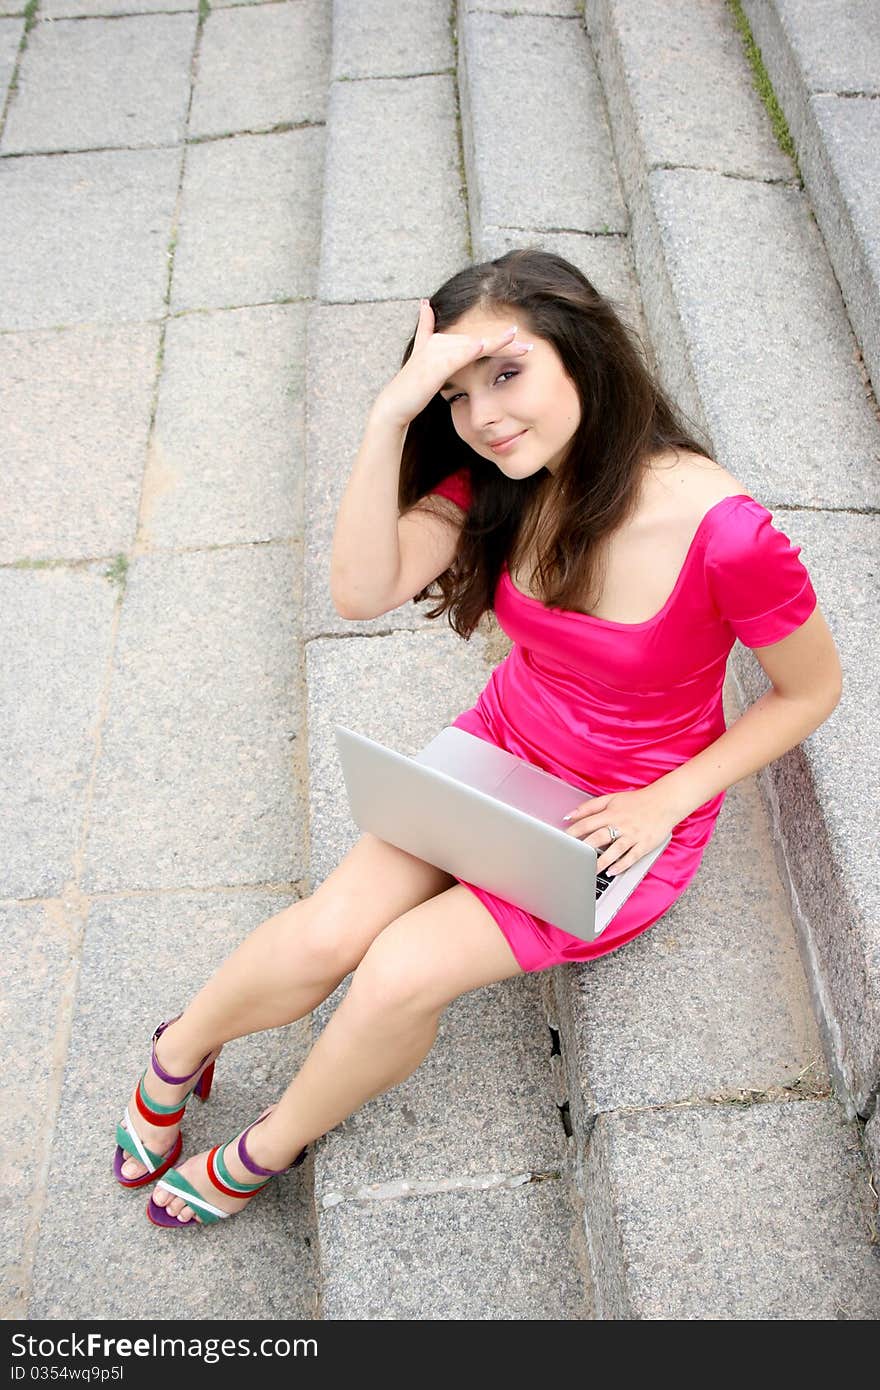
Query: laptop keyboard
(602,882)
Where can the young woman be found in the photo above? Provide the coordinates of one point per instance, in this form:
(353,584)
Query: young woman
(525,460)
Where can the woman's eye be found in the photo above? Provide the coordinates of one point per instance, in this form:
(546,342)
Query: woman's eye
(452,399)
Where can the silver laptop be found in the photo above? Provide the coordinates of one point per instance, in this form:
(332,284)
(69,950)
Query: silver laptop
(489,817)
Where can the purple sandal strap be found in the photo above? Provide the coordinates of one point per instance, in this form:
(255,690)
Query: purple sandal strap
(160,1070)
(255,1167)
(249,1162)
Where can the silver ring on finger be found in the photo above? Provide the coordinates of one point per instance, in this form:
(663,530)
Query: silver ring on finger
(612,833)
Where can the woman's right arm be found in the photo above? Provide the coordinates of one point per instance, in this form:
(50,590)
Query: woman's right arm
(379,559)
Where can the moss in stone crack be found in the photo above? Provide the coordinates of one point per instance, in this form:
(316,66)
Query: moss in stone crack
(762,83)
(117,573)
(204,10)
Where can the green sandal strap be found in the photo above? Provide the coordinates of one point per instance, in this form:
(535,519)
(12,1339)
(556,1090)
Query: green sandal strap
(154,1104)
(243,1187)
(175,1183)
(125,1141)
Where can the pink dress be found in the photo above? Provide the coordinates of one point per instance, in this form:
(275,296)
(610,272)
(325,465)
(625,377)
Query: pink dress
(612,706)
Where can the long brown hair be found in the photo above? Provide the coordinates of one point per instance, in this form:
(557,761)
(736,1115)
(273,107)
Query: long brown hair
(625,419)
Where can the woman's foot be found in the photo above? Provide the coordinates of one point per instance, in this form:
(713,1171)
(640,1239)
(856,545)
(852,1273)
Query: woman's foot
(160,1139)
(194,1170)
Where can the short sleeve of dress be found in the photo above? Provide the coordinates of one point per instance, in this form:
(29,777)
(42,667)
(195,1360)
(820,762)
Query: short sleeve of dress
(757,581)
(457,486)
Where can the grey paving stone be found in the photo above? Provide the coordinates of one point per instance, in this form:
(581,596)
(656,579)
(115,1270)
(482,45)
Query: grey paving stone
(538,7)
(826,794)
(689,86)
(382,38)
(766,336)
(711,1000)
(92,82)
(437,1126)
(250,221)
(77,405)
(354,350)
(56,639)
(226,460)
(85,236)
(529,85)
(11,31)
(851,63)
(154,953)
(197,783)
(730,1213)
(260,66)
(844,184)
(63,8)
(392,153)
(502,1255)
(37,973)
(835,138)
(402,690)
(605,260)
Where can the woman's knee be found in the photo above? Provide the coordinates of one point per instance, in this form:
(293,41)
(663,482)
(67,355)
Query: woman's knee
(394,978)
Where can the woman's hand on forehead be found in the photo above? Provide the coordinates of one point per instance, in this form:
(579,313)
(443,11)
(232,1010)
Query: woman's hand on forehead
(434,360)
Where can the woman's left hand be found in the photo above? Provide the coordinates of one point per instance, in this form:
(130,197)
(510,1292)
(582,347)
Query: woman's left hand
(644,818)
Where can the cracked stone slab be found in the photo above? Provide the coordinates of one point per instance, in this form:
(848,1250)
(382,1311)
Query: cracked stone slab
(529,85)
(226,457)
(401,690)
(562,8)
(826,792)
(61,9)
(712,999)
(85,236)
(491,1042)
(153,953)
(733,1213)
(76,418)
(38,973)
(835,136)
(851,63)
(354,350)
(683,76)
(844,182)
(504,1254)
(56,639)
(392,153)
(91,82)
(198,782)
(382,38)
(249,221)
(261,66)
(765,337)
(11,31)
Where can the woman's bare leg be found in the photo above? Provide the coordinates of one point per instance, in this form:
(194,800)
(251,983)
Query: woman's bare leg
(288,965)
(383,1029)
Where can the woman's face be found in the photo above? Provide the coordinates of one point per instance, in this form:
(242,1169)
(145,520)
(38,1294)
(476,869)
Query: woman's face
(528,394)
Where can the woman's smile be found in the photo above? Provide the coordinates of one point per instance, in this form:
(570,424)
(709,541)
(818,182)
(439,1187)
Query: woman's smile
(504,444)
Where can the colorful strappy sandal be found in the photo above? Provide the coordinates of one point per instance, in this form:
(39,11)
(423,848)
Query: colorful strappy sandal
(156,1114)
(222,1179)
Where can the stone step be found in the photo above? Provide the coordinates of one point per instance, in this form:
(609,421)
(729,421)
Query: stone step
(753,337)
(710,1008)
(828,92)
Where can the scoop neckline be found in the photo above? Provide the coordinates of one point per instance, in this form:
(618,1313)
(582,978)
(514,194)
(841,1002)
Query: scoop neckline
(612,622)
